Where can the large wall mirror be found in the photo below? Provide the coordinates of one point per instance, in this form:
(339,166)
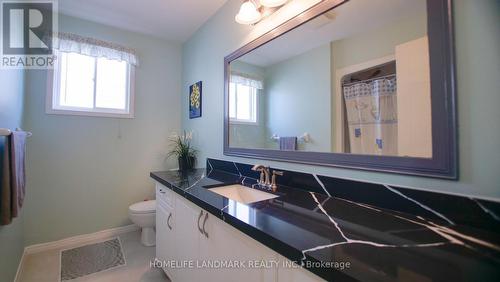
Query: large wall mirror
(366,84)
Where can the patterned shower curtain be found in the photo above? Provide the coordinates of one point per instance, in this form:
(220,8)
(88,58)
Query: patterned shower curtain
(372,117)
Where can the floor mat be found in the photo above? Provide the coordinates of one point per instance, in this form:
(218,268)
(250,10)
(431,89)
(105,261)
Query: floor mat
(91,259)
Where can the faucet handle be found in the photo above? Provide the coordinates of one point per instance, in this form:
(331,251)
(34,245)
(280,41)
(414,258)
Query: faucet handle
(262,177)
(274,186)
(277,172)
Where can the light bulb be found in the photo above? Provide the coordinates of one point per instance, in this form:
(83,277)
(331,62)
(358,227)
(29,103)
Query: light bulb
(248,14)
(272,3)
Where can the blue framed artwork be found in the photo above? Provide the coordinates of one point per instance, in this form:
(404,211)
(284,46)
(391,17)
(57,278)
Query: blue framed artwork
(195,91)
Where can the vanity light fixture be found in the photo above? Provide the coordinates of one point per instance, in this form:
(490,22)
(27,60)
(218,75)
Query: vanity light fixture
(252,11)
(248,13)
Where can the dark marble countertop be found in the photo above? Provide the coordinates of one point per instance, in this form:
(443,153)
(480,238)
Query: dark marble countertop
(345,240)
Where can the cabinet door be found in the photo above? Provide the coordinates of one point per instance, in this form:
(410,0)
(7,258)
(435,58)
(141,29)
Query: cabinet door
(225,243)
(161,233)
(187,238)
(165,239)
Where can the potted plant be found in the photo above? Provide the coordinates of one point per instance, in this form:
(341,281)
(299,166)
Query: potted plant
(182,149)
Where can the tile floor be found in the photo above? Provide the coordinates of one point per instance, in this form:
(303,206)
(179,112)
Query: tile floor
(45,266)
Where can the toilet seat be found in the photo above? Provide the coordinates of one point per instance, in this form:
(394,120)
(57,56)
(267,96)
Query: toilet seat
(143,207)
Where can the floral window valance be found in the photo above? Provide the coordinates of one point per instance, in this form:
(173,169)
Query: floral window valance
(68,42)
(248,80)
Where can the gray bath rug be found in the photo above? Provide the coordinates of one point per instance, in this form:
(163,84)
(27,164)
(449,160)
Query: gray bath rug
(91,259)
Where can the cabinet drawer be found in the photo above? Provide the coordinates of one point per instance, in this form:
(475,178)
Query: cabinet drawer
(164,195)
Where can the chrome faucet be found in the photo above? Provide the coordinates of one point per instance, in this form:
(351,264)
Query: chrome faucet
(265,177)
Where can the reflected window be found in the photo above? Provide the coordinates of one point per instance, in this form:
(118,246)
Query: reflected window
(242,103)
(241,211)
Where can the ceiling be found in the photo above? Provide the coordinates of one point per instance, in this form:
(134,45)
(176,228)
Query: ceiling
(175,20)
(353,17)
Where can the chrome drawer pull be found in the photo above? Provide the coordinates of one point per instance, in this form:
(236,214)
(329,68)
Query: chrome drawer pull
(168,221)
(199,217)
(205,221)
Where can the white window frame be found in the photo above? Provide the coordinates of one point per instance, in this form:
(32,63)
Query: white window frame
(53,92)
(254,106)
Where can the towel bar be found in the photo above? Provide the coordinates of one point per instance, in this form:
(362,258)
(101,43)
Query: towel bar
(7,132)
(304,138)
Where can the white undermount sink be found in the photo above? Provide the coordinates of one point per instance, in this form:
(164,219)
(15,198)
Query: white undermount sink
(242,194)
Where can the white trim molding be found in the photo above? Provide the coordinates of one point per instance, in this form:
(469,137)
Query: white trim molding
(80,239)
(20,267)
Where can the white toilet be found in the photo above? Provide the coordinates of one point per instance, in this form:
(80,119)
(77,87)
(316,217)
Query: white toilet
(143,214)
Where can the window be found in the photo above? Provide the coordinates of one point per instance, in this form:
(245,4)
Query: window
(242,103)
(88,85)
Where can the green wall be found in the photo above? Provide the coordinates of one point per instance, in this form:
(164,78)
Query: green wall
(84,172)
(11,111)
(298,100)
(377,43)
(477,41)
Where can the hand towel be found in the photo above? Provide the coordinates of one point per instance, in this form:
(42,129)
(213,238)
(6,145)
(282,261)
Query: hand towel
(5,190)
(12,189)
(18,170)
(288,143)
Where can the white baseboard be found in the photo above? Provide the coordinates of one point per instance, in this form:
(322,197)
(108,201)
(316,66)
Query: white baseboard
(80,239)
(20,267)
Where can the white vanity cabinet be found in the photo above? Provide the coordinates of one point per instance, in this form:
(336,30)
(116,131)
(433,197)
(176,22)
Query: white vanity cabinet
(227,244)
(165,247)
(197,237)
(187,240)
(165,224)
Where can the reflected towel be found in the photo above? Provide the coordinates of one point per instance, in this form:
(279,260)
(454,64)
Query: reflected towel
(288,143)
(13,187)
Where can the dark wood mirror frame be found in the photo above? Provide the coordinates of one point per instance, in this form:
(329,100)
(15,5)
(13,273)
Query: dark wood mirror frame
(443,164)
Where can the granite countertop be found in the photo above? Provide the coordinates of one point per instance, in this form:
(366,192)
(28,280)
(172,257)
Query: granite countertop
(347,240)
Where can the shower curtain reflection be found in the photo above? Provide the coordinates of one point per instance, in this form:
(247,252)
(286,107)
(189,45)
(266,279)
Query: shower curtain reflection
(371,108)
